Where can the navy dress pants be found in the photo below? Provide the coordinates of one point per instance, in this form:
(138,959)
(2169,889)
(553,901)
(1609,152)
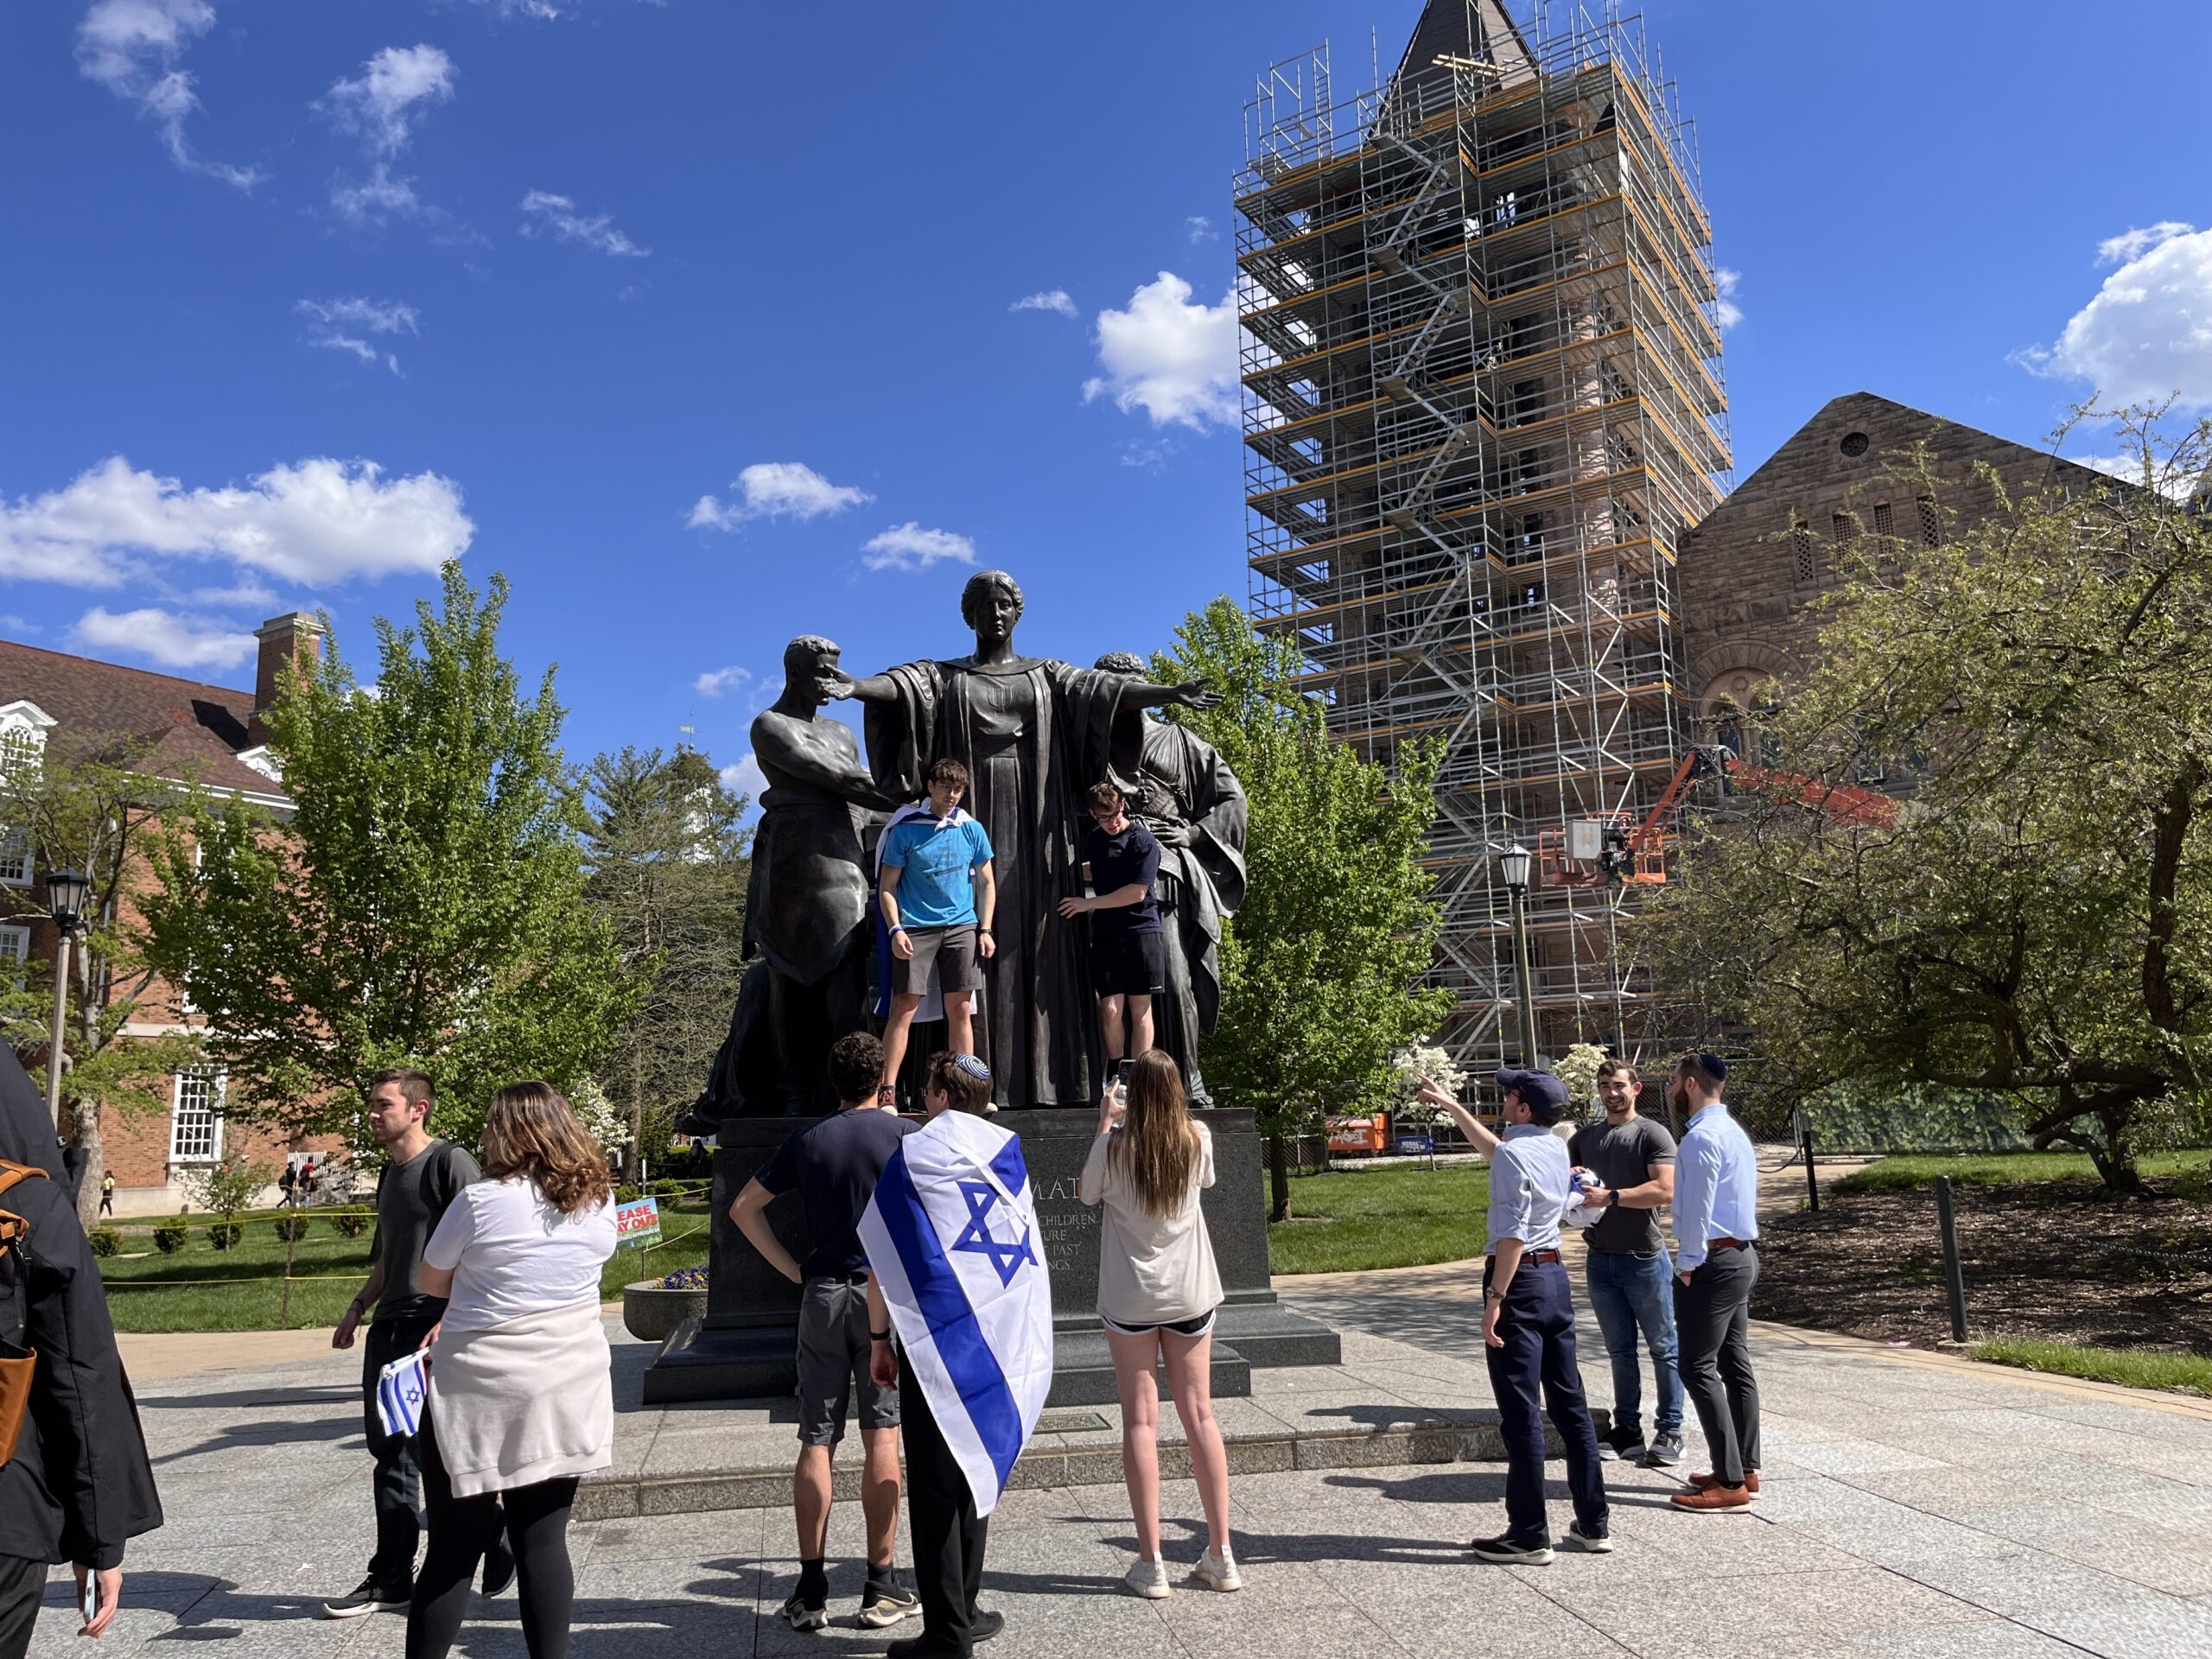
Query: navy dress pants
(1537,1323)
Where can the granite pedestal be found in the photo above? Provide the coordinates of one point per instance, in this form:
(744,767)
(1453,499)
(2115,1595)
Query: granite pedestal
(743,1349)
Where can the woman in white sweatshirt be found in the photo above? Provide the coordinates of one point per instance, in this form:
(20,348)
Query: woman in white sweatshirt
(1158,1289)
(520,1402)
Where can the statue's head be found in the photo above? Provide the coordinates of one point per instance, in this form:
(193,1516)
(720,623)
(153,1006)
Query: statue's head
(810,667)
(1127,664)
(991,604)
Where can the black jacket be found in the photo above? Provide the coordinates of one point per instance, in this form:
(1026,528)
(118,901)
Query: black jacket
(79,1482)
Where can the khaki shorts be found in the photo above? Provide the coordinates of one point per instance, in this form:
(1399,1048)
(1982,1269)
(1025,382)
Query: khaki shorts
(950,950)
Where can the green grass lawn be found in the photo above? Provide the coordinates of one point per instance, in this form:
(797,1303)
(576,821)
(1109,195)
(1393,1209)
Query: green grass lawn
(160,1292)
(2181,1373)
(1902,1170)
(1401,1217)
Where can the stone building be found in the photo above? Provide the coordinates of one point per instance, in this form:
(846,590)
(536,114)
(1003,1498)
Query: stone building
(1749,569)
(215,735)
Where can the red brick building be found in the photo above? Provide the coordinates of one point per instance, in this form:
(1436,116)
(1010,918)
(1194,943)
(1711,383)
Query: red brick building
(213,734)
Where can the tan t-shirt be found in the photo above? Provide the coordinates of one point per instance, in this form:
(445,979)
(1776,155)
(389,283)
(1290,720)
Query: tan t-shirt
(1152,1270)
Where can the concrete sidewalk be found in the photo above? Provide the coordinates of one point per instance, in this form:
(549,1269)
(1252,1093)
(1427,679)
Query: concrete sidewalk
(1915,1505)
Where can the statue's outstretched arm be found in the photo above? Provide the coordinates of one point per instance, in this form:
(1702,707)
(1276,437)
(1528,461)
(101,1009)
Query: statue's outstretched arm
(1192,694)
(877,688)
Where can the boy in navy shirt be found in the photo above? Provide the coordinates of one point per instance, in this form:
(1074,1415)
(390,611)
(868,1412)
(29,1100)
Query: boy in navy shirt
(1129,953)
(937,897)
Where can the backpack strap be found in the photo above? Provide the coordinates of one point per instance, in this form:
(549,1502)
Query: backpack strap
(13,1226)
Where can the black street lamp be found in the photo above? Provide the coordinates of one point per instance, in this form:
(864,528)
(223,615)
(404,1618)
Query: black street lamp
(1513,866)
(66,893)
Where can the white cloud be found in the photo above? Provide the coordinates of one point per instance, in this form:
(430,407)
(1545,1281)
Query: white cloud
(315,522)
(595,231)
(339,326)
(541,10)
(163,637)
(2131,245)
(376,199)
(2168,480)
(776,489)
(2146,335)
(1052,299)
(380,106)
(745,777)
(909,547)
(719,682)
(1199,229)
(1727,314)
(131,48)
(1175,360)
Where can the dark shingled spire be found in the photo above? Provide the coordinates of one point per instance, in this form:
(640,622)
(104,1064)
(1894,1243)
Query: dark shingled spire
(1481,31)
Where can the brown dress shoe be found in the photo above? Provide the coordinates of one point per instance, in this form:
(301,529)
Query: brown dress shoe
(1715,1497)
(1705,1483)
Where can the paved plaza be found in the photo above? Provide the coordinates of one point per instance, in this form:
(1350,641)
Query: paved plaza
(1915,1505)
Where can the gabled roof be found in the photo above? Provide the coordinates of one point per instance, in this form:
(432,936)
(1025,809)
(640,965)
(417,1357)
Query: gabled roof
(194,729)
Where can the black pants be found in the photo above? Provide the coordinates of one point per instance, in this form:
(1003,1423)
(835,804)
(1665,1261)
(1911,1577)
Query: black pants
(22,1586)
(1713,1325)
(1537,1325)
(397,1487)
(462,1529)
(948,1535)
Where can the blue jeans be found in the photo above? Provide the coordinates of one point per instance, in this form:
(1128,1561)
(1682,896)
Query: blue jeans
(1628,1294)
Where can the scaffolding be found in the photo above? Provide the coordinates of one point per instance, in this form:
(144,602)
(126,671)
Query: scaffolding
(1483,401)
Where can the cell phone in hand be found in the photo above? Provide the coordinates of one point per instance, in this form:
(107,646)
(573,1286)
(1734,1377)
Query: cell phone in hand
(1123,1078)
(88,1604)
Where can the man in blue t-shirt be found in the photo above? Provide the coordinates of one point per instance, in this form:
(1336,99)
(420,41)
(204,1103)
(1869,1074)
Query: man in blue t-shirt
(833,1165)
(937,897)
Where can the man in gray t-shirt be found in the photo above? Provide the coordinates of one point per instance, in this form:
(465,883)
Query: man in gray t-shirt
(1628,1271)
(421,1177)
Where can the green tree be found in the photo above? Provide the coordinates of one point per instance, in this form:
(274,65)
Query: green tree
(88,801)
(2037,920)
(667,872)
(1319,966)
(425,904)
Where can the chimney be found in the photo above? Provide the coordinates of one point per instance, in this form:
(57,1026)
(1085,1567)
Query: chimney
(282,638)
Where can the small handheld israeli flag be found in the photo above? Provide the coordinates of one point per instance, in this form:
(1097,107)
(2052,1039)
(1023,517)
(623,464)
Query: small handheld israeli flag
(400,1388)
(951,1236)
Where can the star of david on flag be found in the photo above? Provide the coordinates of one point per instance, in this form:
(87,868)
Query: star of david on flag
(952,1240)
(977,1236)
(400,1388)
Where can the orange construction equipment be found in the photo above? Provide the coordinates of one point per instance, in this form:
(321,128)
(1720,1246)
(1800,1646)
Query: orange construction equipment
(1613,846)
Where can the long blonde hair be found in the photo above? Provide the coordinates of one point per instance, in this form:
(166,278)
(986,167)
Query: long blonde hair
(1157,1146)
(532,1131)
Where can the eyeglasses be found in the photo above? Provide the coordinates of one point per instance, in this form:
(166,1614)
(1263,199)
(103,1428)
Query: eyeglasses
(973,1067)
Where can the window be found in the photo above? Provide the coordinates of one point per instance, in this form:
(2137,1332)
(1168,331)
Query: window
(20,746)
(14,950)
(1806,556)
(1886,522)
(196,1118)
(1530,542)
(1528,401)
(1932,523)
(15,858)
(1840,526)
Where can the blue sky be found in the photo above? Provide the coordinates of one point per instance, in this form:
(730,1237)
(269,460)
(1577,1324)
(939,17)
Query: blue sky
(700,319)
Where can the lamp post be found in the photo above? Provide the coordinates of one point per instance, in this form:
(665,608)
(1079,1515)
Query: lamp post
(1513,866)
(65,891)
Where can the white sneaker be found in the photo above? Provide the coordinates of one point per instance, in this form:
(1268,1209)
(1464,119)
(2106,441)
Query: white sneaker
(1217,1572)
(1147,1577)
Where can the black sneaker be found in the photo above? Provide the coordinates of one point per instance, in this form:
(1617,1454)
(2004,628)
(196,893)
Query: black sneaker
(983,1626)
(885,1604)
(1620,1445)
(804,1615)
(1665,1453)
(370,1597)
(498,1569)
(1506,1552)
(1596,1543)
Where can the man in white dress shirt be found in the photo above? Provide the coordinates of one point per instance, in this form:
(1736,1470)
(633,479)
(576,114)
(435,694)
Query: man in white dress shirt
(1716,1221)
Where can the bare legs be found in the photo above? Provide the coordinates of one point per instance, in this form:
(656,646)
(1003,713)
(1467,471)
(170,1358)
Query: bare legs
(1131,1015)
(1190,1379)
(959,1029)
(879,1496)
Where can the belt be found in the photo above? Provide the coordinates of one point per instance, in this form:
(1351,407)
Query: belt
(1727,1243)
(1540,1255)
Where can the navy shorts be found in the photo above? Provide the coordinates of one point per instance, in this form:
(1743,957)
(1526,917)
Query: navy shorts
(1129,964)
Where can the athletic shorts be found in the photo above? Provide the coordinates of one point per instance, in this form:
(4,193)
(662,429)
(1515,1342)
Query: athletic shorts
(950,950)
(1196,1327)
(833,1346)
(1129,964)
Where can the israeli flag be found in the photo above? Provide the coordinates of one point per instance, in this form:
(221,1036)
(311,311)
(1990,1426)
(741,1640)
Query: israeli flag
(951,1236)
(400,1388)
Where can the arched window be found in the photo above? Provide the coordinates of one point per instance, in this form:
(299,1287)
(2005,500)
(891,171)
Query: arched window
(1932,523)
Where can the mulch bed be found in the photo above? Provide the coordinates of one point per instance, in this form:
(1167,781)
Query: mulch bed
(2055,1260)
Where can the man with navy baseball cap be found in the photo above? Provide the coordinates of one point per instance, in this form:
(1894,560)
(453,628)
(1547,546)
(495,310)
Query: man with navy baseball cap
(1528,1319)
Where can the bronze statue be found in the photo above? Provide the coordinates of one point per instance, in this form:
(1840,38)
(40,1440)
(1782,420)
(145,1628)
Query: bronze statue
(1033,734)
(808,910)
(1179,788)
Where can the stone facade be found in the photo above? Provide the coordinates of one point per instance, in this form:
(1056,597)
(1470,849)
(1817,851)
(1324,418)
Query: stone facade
(1749,569)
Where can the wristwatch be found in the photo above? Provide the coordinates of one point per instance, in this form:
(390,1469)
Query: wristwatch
(879,1336)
